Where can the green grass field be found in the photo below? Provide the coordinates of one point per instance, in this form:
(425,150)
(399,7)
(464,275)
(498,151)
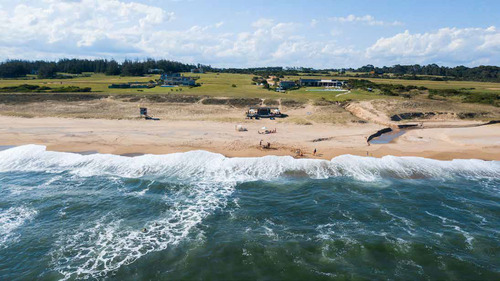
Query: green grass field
(479,86)
(220,85)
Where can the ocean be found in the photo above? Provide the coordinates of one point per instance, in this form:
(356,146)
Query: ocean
(202,216)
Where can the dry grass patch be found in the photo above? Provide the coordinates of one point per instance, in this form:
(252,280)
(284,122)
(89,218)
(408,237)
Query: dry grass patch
(442,109)
(333,115)
(297,121)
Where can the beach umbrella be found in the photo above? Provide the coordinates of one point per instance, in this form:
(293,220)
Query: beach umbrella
(263,128)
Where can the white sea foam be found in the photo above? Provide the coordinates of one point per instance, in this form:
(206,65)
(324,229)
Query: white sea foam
(97,248)
(203,165)
(10,220)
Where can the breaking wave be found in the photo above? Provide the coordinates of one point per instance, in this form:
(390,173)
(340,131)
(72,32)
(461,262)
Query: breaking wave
(100,247)
(203,165)
(10,220)
(196,185)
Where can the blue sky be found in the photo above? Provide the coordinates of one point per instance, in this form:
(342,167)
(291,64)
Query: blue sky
(320,34)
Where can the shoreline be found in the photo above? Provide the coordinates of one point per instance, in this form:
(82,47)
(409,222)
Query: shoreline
(132,137)
(428,155)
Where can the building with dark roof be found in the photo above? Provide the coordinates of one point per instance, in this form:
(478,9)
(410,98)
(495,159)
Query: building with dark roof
(285,85)
(320,83)
(177,79)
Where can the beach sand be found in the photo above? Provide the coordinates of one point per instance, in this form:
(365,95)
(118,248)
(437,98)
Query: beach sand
(136,136)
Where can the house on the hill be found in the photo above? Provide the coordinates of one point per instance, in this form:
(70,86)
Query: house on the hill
(320,83)
(177,79)
(285,85)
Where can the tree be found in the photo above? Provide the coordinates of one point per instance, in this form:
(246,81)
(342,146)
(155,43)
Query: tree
(113,68)
(48,70)
(12,69)
(130,68)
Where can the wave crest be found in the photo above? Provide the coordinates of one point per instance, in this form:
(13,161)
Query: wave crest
(203,165)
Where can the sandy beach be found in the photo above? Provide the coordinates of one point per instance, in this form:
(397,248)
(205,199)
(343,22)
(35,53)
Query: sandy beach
(161,137)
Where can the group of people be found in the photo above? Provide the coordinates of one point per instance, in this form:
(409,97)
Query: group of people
(268,131)
(299,152)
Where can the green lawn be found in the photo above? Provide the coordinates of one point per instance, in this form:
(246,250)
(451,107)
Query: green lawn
(220,85)
(478,86)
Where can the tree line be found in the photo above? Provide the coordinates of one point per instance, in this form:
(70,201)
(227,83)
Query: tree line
(50,69)
(479,73)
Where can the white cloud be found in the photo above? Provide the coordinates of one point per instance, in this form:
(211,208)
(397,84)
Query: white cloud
(366,19)
(52,29)
(272,43)
(283,30)
(263,23)
(451,45)
(63,27)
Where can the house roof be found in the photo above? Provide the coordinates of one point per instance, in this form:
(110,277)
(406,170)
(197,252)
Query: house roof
(263,107)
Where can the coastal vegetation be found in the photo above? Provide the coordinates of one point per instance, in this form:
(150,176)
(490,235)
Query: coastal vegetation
(365,83)
(49,69)
(87,95)
(27,88)
(221,85)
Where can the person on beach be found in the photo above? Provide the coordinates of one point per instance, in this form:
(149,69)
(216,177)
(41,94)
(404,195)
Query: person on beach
(314,152)
(260,143)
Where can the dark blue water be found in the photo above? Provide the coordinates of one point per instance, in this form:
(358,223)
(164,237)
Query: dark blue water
(201,216)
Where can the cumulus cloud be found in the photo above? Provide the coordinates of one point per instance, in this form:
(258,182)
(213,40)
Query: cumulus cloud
(269,43)
(366,19)
(452,45)
(65,26)
(119,29)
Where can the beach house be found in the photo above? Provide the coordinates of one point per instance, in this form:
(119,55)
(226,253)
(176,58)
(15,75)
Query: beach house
(177,79)
(320,83)
(286,84)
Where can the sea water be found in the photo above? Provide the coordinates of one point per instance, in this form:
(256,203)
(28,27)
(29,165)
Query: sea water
(200,215)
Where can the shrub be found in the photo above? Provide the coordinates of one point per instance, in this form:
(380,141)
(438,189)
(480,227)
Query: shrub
(484,98)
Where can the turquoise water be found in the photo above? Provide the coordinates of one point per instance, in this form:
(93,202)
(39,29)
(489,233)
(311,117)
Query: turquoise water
(202,216)
(387,137)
